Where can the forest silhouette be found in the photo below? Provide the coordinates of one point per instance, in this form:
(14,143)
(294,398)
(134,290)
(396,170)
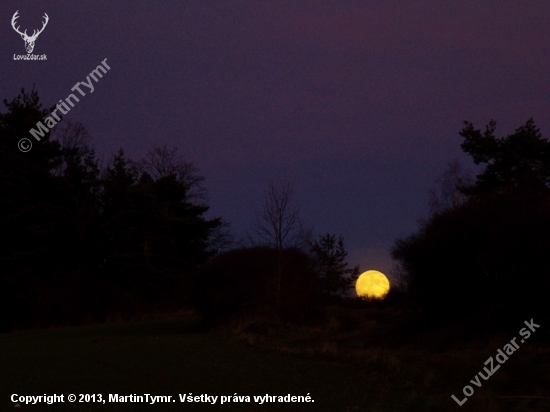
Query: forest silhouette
(110,245)
(485,251)
(84,242)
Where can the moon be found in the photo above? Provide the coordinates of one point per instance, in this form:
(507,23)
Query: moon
(372,284)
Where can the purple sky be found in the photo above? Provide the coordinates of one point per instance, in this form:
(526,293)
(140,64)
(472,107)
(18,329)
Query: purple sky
(358,102)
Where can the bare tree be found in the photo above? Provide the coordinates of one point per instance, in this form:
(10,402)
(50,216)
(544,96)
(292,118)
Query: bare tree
(74,140)
(165,161)
(71,134)
(221,239)
(447,193)
(278,225)
(399,273)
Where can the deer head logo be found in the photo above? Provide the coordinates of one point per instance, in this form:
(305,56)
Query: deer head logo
(29,40)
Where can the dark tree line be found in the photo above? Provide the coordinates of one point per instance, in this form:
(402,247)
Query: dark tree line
(485,251)
(249,281)
(283,271)
(82,241)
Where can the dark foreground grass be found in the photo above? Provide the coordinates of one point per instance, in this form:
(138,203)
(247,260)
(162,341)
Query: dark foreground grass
(167,358)
(331,364)
(412,368)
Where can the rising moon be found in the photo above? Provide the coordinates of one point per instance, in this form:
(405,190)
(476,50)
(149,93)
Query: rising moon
(372,284)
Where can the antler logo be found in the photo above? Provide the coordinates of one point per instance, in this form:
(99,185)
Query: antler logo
(29,40)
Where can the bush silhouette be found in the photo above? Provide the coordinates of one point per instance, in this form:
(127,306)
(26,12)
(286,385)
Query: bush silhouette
(487,256)
(243,281)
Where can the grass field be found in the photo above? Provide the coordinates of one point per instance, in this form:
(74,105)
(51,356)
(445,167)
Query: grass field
(166,357)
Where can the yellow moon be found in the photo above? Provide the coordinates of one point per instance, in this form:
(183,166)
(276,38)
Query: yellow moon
(372,284)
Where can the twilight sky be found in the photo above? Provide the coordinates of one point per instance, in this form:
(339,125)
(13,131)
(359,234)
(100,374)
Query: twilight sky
(358,102)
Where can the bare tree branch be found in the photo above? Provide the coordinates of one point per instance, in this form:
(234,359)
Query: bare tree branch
(71,134)
(278,225)
(447,194)
(74,140)
(165,161)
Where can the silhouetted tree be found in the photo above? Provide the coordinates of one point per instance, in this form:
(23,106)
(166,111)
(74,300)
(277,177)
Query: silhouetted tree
(79,182)
(278,225)
(240,282)
(74,240)
(489,254)
(165,161)
(161,162)
(156,234)
(29,208)
(519,161)
(448,191)
(49,215)
(335,277)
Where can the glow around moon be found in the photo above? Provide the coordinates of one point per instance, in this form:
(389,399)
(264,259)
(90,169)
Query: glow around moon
(372,284)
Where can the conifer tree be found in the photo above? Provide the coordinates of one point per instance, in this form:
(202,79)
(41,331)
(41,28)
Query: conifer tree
(335,276)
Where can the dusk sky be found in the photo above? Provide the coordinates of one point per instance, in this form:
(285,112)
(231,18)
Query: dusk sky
(359,103)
